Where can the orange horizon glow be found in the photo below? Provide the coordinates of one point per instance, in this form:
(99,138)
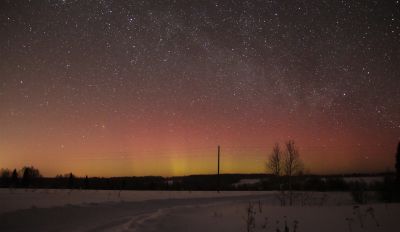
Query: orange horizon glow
(176,153)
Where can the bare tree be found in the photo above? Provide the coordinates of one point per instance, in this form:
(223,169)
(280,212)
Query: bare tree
(285,163)
(292,165)
(274,161)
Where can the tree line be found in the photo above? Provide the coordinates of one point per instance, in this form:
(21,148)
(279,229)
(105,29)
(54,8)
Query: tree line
(285,173)
(287,169)
(25,177)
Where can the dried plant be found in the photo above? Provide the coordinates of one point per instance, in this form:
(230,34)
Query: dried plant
(265,225)
(286,227)
(259,206)
(371,212)
(295,225)
(357,212)
(250,218)
(350,223)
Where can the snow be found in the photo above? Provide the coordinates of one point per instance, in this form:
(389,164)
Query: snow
(231,217)
(247,182)
(367,179)
(148,211)
(16,199)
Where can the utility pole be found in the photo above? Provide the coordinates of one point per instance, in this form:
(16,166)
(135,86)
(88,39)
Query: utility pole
(218,169)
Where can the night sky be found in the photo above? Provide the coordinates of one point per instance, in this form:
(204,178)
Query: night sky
(113,88)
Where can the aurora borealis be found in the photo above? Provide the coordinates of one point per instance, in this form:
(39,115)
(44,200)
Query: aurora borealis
(113,88)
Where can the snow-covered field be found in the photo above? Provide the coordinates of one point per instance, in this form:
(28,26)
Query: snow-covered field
(247,182)
(367,179)
(81,210)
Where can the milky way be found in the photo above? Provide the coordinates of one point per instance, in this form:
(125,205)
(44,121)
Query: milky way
(152,87)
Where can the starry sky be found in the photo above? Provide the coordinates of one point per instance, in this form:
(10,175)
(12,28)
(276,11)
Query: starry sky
(118,88)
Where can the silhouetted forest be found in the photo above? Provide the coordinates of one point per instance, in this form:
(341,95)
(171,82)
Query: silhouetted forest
(286,175)
(29,177)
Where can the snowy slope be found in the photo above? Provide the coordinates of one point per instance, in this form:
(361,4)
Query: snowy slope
(148,211)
